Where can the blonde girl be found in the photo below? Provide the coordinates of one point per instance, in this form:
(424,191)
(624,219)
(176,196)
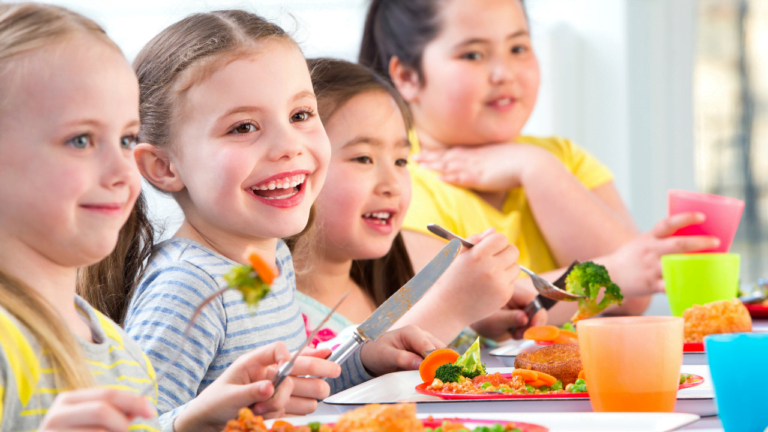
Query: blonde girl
(355,243)
(69,118)
(469,74)
(229,130)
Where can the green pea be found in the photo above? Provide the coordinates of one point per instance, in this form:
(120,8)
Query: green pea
(485,385)
(314,426)
(580,382)
(558,385)
(530,388)
(497,428)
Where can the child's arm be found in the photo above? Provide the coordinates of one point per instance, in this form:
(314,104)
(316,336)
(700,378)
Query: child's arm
(574,221)
(157,318)
(95,409)
(246,383)
(478,283)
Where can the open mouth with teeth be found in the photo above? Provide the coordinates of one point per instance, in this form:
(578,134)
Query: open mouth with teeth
(280,189)
(379,218)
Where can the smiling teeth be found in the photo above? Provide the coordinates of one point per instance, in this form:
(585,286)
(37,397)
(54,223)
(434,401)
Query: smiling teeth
(284,183)
(382,217)
(505,101)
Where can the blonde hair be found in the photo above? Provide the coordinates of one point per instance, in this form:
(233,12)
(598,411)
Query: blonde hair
(173,61)
(26,27)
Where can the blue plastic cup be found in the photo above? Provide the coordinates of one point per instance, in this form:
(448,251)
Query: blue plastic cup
(736,362)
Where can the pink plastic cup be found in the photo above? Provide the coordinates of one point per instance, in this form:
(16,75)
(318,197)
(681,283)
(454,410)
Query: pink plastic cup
(723,214)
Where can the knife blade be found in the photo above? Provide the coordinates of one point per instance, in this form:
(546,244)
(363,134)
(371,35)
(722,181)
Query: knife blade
(398,304)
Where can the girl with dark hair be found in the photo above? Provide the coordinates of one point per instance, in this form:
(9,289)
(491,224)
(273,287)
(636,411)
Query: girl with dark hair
(355,242)
(469,74)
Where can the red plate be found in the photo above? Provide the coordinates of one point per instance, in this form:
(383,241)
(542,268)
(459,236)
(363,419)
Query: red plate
(757,311)
(422,388)
(693,347)
(526,427)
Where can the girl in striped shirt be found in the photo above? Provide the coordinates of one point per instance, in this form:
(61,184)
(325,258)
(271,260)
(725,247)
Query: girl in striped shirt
(229,129)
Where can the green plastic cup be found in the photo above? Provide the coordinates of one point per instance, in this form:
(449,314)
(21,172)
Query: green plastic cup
(699,279)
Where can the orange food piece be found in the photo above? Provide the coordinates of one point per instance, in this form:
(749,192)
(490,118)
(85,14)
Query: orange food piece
(582,375)
(264,270)
(566,337)
(526,375)
(281,426)
(434,360)
(542,333)
(547,379)
(537,383)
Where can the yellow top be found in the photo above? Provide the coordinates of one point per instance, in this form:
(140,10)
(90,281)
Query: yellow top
(462,211)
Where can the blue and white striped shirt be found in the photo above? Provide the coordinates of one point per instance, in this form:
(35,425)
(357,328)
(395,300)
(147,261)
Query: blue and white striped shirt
(179,276)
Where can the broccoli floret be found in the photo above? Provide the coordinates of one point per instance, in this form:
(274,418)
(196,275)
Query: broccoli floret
(569,326)
(245,280)
(448,372)
(470,361)
(586,279)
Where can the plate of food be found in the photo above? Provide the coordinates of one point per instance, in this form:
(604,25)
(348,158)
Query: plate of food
(550,372)
(403,418)
(759,310)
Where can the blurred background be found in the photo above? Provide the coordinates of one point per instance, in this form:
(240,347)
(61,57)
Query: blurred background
(670,94)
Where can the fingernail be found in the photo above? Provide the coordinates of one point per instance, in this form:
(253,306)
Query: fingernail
(415,365)
(489,230)
(265,388)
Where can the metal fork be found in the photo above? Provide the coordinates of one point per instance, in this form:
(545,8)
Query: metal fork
(543,286)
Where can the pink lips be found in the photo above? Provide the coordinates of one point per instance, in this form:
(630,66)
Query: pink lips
(283,190)
(380,220)
(109,209)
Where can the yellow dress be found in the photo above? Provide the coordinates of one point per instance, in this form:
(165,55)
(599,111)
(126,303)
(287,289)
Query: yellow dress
(465,213)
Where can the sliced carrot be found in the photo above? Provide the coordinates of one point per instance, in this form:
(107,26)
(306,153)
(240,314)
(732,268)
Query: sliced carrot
(542,333)
(281,426)
(547,379)
(582,375)
(264,270)
(566,337)
(526,375)
(434,360)
(537,383)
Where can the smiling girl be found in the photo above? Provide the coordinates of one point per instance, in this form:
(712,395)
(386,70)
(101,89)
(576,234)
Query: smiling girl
(355,244)
(228,128)
(469,74)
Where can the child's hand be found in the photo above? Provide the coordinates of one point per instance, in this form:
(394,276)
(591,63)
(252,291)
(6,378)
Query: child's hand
(306,391)
(95,409)
(396,350)
(636,266)
(489,167)
(511,321)
(247,383)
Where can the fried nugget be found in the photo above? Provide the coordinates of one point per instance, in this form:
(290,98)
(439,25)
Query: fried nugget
(724,316)
(562,361)
(380,418)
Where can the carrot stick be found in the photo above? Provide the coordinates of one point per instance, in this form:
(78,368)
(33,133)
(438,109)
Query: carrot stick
(547,379)
(527,375)
(265,272)
(582,375)
(537,383)
(542,333)
(434,360)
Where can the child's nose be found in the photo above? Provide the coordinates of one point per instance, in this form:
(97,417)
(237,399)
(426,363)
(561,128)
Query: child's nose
(287,144)
(501,72)
(119,168)
(389,184)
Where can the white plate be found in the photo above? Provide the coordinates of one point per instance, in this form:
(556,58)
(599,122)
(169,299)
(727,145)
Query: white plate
(507,353)
(400,387)
(559,422)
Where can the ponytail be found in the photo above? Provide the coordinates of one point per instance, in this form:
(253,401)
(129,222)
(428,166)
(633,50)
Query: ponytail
(109,284)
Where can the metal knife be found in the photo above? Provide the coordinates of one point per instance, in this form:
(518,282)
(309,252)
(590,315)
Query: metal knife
(398,304)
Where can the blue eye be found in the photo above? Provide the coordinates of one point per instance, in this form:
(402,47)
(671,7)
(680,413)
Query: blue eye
(127,142)
(244,128)
(81,141)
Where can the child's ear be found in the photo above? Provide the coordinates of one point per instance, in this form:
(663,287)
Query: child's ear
(155,165)
(405,79)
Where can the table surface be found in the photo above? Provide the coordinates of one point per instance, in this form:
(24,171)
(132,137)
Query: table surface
(705,424)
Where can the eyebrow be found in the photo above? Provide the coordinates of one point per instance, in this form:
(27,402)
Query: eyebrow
(485,41)
(250,108)
(371,141)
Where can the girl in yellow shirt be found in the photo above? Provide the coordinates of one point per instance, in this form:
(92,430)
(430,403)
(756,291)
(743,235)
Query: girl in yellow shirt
(471,78)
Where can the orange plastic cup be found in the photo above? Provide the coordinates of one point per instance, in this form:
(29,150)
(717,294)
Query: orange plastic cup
(632,364)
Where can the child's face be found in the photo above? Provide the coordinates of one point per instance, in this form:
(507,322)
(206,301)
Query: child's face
(361,208)
(480,75)
(68,179)
(249,147)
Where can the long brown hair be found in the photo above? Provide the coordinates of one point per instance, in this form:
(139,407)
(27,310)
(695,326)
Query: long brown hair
(336,82)
(26,27)
(178,57)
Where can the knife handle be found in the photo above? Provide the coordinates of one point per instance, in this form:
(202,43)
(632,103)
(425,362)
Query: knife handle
(347,348)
